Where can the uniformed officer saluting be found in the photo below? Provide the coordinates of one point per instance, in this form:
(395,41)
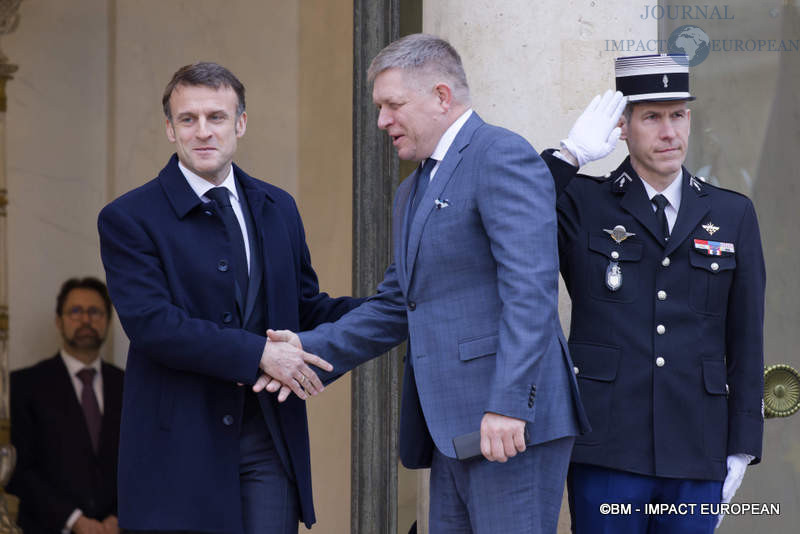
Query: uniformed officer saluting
(667,279)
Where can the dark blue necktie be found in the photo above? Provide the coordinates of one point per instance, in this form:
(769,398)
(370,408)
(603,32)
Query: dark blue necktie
(661,203)
(238,262)
(423,179)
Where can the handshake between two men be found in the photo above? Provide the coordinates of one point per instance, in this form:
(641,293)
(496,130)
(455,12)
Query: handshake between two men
(285,367)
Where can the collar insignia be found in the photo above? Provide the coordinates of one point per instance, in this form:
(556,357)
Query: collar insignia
(694,182)
(623,180)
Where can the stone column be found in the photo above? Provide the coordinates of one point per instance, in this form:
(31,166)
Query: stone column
(9,19)
(376,384)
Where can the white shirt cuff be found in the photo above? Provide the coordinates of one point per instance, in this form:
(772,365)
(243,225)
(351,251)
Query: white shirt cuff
(71,520)
(562,157)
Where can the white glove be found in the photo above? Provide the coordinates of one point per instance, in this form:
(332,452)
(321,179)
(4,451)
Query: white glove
(737,464)
(595,133)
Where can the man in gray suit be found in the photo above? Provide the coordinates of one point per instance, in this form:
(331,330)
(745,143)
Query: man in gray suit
(474,286)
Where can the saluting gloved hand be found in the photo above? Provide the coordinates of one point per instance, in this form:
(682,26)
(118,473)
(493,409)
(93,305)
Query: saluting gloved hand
(595,133)
(737,464)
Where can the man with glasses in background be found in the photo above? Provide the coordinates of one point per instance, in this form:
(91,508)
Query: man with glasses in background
(66,414)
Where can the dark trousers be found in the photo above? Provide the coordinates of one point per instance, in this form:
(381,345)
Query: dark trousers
(522,495)
(270,504)
(593,490)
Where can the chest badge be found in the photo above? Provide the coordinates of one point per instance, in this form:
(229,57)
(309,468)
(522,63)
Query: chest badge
(613,276)
(619,234)
(710,228)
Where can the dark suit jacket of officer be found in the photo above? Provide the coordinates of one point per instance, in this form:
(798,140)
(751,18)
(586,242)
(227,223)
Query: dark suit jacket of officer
(164,253)
(682,418)
(57,469)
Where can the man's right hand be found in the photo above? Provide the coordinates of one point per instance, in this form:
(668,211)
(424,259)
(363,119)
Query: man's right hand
(595,133)
(111,525)
(287,363)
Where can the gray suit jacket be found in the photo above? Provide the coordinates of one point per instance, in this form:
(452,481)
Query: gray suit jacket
(474,284)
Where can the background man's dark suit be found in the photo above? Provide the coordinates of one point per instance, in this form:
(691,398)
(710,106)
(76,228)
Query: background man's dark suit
(57,470)
(163,251)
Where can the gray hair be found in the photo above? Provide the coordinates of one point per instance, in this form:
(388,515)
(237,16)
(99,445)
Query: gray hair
(423,55)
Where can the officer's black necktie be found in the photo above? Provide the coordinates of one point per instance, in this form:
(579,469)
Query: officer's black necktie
(91,408)
(661,202)
(423,179)
(238,262)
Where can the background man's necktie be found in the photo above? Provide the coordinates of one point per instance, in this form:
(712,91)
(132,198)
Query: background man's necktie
(91,408)
(661,202)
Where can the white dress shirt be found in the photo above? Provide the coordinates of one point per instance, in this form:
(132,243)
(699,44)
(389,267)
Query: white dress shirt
(201,186)
(447,139)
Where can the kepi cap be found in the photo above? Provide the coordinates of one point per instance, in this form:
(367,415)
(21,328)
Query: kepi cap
(654,78)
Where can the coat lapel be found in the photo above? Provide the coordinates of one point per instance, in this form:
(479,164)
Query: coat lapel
(444,174)
(635,201)
(180,194)
(254,200)
(272,238)
(695,204)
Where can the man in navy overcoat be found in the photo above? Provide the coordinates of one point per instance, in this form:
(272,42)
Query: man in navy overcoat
(200,262)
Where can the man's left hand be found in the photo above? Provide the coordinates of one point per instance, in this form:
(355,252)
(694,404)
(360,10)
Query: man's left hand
(502,437)
(266,382)
(737,464)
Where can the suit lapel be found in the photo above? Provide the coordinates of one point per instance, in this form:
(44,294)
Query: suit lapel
(403,207)
(112,404)
(695,204)
(444,174)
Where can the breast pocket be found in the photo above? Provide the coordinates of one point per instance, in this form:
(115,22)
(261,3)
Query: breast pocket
(613,268)
(709,281)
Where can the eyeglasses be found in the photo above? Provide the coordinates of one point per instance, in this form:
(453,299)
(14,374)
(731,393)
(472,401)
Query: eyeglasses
(76,313)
